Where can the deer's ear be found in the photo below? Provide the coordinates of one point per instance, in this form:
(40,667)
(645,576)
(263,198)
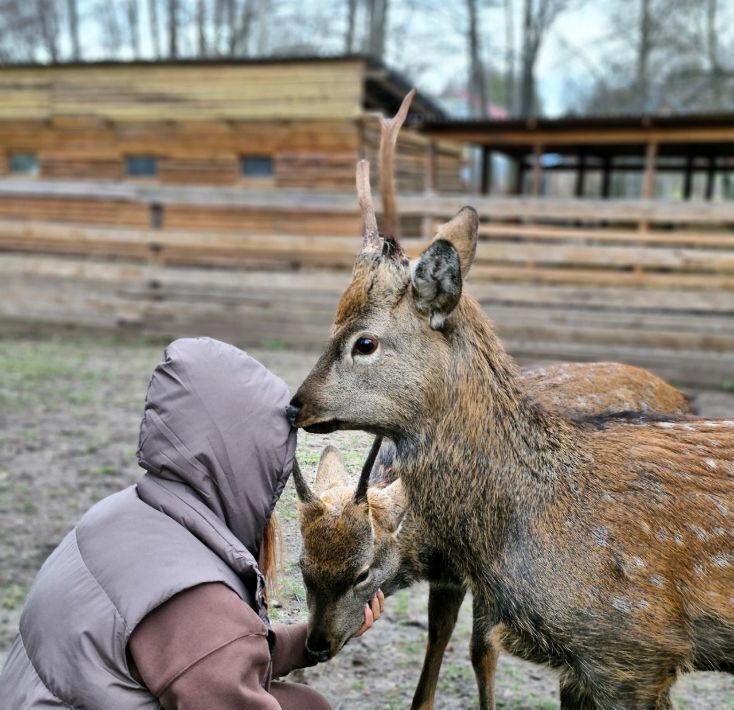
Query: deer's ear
(462,233)
(436,278)
(438,274)
(389,505)
(332,471)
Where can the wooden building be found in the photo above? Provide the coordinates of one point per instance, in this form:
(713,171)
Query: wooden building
(697,151)
(271,123)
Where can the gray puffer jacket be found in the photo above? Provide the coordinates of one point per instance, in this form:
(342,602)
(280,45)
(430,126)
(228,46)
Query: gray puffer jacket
(218,450)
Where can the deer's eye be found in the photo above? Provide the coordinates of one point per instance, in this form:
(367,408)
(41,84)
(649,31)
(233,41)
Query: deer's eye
(364,346)
(361,577)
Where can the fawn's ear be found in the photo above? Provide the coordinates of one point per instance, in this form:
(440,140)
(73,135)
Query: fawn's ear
(389,505)
(332,470)
(437,275)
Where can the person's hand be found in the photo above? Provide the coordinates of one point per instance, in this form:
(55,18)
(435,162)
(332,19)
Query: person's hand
(372,612)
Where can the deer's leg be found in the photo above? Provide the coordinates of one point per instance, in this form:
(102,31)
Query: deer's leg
(443,607)
(484,654)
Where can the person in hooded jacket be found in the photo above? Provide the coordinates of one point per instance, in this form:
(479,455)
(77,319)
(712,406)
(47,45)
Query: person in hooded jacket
(156,598)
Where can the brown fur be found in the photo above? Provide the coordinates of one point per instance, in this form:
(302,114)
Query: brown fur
(605,549)
(337,542)
(271,553)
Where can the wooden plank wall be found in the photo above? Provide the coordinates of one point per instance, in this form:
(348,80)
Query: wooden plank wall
(646,283)
(195,209)
(306,154)
(185,91)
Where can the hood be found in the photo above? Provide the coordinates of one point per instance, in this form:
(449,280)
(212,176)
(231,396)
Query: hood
(215,420)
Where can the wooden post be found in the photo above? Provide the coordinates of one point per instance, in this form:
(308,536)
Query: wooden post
(648,181)
(431,171)
(537,170)
(606,176)
(486,182)
(520,175)
(580,175)
(710,176)
(688,177)
(429,186)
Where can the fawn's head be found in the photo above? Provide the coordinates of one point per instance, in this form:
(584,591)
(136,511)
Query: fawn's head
(350,548)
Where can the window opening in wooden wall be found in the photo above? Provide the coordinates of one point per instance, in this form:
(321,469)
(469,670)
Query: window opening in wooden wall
(23,163)
(141,166)
(256,166)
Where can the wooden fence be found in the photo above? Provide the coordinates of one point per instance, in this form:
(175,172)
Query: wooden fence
(643,282)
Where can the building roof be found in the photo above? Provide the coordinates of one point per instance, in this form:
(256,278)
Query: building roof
(384,87)
(604,135)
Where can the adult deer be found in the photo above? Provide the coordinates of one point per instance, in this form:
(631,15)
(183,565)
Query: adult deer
(605,548)
(356,540)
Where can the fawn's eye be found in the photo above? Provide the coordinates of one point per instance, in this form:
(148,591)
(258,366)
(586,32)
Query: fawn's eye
(361,577)
(364,346)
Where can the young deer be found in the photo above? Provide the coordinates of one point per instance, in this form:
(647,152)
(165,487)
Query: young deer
(604,547)
(364,529)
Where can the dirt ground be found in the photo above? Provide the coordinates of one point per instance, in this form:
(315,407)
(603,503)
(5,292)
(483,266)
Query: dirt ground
(69,415)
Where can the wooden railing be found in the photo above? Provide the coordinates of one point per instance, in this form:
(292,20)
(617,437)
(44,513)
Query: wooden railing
(643,282)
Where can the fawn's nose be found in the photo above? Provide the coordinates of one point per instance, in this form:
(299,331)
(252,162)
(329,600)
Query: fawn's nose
(318,648)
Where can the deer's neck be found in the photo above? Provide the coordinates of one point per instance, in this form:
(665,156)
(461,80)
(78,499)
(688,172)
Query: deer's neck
(486,449)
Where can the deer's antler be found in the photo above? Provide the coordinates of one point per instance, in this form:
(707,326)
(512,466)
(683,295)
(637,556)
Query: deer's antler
(360,494)
(304,493)
(371,235)
(389,129)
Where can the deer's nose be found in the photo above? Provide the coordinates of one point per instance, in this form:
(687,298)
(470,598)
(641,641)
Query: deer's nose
(291,412)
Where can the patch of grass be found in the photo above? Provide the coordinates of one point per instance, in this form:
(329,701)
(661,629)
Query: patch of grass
(292,589)
(273,344)
(107,470)
(400,604)
(308,458)
(727,385)
(12,596)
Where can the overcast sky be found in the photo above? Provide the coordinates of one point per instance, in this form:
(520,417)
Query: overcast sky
(427,39)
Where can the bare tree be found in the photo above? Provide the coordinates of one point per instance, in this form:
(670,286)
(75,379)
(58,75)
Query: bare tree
(351,24)
(538,18)
(48,24)
(19,34)
(155,35)
(72,16)
(377,27)
(201,18)
(132,17)
(172,28)
(712,53)
(477,75)
(263,22)
(231,27)
(111,31)
(509,56)
(244,28)
(644,47)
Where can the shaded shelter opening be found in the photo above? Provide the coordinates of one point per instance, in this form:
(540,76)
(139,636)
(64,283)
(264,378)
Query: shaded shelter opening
(598,151)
